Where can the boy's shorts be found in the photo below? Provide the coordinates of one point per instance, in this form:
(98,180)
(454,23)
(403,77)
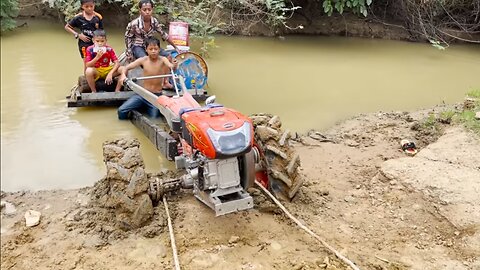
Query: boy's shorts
(83,50)
(102,72)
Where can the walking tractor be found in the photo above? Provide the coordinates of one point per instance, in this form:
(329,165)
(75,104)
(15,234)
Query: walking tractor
(221,151)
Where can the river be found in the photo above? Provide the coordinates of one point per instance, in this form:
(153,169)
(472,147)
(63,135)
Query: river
(310,82)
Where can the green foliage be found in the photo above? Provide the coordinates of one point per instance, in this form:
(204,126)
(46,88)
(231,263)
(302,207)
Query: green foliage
(200,20)
(8,12)
(474,93)
(277,10)
(465,117)
(446,117)
(71,7)
(468,116)
(195,14)
(430,121)
(273,11)
(205,17)
(356,6)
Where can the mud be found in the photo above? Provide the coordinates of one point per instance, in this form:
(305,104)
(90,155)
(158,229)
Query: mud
(362,194)
(119,203)
(125,186)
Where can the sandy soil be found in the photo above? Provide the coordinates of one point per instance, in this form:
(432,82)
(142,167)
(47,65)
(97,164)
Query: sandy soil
(379,207)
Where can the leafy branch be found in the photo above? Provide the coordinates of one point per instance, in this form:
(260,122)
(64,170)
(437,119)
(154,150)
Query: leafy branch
(8,12)
(356,6)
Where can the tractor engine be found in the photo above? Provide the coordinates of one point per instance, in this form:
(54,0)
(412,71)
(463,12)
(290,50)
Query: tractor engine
(217,156)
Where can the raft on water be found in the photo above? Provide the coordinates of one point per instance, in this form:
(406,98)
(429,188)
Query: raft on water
(78,98)
(191,67)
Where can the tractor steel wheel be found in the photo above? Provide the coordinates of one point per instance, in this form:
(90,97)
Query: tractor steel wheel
(276,157)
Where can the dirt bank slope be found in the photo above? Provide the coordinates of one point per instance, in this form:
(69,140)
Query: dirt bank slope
(380,219)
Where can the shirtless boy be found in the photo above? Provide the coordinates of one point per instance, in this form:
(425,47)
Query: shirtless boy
(153,64)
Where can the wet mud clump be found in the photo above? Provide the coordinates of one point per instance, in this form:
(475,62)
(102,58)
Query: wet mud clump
(124,188)
(118,205)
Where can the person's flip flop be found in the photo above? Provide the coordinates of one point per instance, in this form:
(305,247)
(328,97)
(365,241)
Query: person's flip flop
(408,147)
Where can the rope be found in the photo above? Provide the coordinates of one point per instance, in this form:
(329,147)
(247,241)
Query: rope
(72,92)
(172,237)
(310,232)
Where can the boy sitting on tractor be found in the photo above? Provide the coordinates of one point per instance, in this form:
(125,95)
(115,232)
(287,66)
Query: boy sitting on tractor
(98,61)
(153,64)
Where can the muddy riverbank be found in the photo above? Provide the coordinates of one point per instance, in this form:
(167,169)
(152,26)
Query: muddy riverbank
(381,208)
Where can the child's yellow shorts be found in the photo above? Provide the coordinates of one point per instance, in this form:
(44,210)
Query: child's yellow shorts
(102,72)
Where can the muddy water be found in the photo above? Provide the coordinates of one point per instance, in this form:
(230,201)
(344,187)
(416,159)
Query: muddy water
(311,82)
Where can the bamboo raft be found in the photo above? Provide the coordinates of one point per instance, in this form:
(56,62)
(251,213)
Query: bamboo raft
(78,98)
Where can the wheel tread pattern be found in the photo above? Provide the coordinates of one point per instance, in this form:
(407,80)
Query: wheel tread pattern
(282,161)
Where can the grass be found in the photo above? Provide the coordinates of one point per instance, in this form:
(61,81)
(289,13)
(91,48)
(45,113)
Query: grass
(465,117)
(474,94)
(446,117)
(431,121)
